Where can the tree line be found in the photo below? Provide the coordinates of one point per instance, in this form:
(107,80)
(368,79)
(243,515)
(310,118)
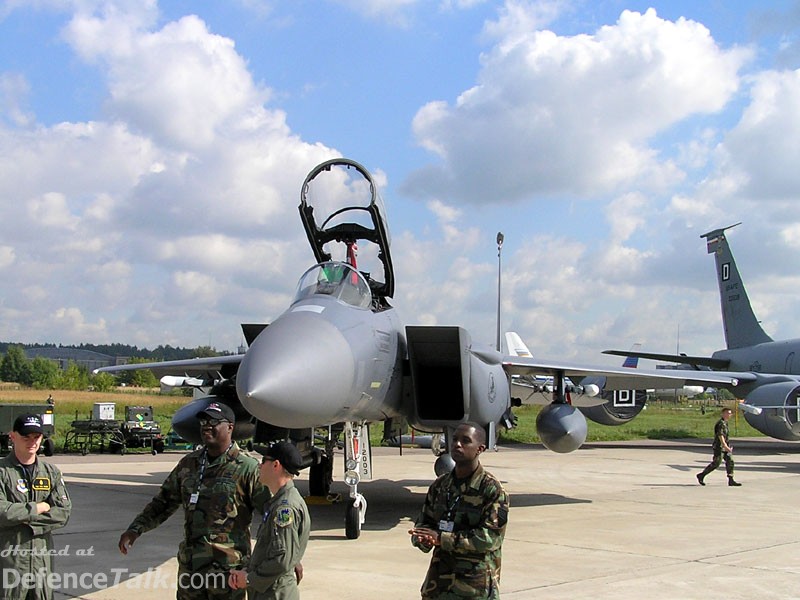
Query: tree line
(158,353)
(45,374)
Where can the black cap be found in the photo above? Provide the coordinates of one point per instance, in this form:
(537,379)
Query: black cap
(218,410)
(29,423)
(285,453)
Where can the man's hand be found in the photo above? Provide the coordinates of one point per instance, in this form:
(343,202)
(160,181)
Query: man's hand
(237,579)
(126,540)
(42,507)
(298,572)
(425,536)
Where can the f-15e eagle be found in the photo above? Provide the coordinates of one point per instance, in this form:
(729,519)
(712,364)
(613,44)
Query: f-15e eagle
(767,371)
(339,357)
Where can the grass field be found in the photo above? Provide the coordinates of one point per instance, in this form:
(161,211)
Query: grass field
(657,421)
(71,405)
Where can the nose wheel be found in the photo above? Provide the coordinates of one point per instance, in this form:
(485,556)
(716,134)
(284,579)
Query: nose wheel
(354,516)
(358,465)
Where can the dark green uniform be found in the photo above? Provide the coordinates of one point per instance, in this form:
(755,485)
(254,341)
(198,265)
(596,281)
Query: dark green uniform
(280,544)
(467,563)
(218,497)
(720,430)
(25,539)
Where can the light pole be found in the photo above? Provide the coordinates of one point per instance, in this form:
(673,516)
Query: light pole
(499,264)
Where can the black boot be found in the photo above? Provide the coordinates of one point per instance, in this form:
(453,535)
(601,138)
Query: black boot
(733,483)
(700,479)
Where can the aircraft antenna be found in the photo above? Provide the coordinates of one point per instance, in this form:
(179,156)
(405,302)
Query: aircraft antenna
(499,271)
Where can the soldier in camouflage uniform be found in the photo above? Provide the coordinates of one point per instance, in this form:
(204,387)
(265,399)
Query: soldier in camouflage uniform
(33,502)
(218,488)
(722,449)
(283,534)
(463,520)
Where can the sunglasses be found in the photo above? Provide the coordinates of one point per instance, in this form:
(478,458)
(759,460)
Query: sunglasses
(211,422)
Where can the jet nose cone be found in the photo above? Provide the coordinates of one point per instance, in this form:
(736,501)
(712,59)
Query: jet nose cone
(298,372)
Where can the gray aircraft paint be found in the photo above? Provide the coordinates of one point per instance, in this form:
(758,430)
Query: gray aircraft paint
(767,370)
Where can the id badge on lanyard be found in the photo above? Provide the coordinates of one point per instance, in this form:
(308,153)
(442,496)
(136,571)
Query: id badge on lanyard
(446,526)
(195,496)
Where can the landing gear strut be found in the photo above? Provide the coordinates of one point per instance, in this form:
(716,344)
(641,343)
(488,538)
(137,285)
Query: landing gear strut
(358,465)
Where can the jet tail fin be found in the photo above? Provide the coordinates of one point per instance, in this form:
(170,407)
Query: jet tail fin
(630,361)
(738,319)
(516,346)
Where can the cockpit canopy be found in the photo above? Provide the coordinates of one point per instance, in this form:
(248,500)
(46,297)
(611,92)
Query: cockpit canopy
(336,279)
(342,212)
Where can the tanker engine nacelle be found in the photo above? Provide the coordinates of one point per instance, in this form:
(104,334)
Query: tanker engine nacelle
(620,406)
(780,410)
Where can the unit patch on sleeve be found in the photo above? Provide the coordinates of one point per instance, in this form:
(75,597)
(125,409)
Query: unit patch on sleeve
(283,518)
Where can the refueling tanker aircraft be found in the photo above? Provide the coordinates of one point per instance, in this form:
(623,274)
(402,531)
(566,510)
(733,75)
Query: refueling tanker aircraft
(767,371)
(339,358)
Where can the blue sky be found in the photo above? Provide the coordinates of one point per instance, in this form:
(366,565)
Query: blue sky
(153,152)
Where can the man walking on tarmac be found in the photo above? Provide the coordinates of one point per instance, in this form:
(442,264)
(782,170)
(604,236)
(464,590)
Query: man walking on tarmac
(722,450)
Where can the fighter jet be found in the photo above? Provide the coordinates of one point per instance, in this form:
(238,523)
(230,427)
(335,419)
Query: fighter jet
(339,357)
(767,373)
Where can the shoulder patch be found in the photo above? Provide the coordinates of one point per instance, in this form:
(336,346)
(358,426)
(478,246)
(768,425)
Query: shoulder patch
(283,517)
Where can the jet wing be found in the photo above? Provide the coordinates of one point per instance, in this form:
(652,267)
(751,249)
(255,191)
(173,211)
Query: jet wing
(624,378)
(206,368)
(697,361)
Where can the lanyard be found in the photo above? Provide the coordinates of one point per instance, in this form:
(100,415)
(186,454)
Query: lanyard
(203,467)
(451,507)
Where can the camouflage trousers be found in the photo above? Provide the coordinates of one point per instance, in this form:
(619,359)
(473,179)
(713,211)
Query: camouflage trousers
(206,585)
(451,596)
(451,587)
(719,454)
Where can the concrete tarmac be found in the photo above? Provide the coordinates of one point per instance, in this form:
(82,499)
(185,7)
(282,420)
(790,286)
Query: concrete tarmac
(610,520)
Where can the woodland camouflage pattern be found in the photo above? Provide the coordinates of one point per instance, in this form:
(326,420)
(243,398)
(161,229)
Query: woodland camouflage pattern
(217,528)
(720,431)
(467,564)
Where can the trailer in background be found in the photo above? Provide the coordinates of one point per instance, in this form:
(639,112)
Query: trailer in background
(9,413)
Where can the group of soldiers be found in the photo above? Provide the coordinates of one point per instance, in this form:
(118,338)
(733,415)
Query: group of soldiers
(219,488)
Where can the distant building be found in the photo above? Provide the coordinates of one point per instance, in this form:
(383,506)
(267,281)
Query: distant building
(84,358)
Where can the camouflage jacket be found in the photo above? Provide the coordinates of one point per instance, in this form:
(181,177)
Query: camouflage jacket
(467,563)
(280,544)
(217,526)
(720,430)
(25,538)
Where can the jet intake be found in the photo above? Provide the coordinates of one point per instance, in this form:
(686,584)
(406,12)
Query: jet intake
(439,375)
(449,382)
(780,410)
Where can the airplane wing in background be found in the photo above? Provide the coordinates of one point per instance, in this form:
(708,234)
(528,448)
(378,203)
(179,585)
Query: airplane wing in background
(622,378)
(696,361)
(208,368)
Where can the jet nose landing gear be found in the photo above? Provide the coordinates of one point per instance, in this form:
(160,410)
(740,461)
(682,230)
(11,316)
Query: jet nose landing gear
(358,465)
